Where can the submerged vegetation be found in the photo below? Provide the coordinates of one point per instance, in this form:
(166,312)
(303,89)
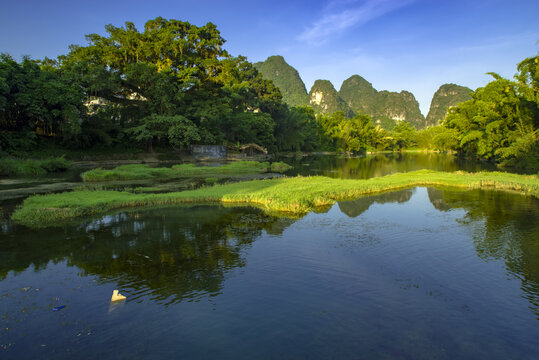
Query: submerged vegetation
(293,196)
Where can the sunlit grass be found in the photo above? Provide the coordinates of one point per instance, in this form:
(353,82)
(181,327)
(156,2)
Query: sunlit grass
(145,172)
(294,196)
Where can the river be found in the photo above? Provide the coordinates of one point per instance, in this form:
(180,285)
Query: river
(421,273)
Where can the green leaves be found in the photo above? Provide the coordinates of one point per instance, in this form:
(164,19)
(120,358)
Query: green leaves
(500,122)
(177,131)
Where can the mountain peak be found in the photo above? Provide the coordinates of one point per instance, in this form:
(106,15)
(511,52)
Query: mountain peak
(446,96)
(286,78)
(326,100)
(385,107)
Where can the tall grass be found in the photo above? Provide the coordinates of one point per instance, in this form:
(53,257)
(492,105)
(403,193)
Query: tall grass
(141,171)
(294,196)
(25,168)
(280,167)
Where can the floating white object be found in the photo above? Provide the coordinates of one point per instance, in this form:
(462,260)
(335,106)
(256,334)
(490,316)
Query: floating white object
(116,296)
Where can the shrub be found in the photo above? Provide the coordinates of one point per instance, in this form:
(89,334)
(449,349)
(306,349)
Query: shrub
(280,167)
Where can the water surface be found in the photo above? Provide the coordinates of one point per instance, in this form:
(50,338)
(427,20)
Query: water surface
(416,274)
(373,165)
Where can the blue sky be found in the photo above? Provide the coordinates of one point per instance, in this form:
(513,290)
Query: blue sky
(414,45)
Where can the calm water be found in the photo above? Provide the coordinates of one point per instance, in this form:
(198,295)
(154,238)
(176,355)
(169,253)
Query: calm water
(365,167)
(417,274)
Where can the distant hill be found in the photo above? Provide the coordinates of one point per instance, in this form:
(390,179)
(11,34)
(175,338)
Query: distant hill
(385,107)
(326,100)
(286,78)
(357,95)
(446,96)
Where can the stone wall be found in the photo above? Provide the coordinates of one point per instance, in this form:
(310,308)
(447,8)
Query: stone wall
(208,151)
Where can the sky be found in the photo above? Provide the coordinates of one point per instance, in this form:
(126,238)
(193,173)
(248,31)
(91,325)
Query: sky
(413,45)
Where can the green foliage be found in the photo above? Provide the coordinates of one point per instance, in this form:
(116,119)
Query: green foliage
(326,100)
(286,78)
(437,138)
(251,127)
(446,96)
(25,168)
(211,180)
(280,167)
(382,106)
(501,121)
(145,172)
(174,130)
(292,196)
(36,101)
(356,135)
(403,135)
(296,129)
(170,85)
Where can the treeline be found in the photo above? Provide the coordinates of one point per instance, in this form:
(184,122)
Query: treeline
(170,85)
(173,85)
(499,124)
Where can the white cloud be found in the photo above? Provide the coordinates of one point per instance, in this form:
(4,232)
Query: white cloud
(336,21)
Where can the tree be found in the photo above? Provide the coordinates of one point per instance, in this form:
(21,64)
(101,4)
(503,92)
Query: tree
(166,130)
(36,101)
(403,135)
(500,122)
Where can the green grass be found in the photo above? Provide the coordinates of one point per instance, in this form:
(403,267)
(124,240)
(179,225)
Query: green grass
(25,168)
(211,180)
(145,172)
(294,196)
(280,167)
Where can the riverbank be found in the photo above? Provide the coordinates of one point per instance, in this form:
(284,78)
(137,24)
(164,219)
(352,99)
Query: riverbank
(292,196)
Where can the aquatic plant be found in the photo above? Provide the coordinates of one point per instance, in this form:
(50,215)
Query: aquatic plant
(143,171)
(292,196)
(280,167)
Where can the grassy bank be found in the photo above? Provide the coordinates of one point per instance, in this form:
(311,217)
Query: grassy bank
(145,172)
(24,168)
(289,195)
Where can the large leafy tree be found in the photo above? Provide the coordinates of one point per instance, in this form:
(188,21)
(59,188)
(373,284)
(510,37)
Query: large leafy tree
(355,135)
(170,69)
(501,121)
(34,100)
(403,135)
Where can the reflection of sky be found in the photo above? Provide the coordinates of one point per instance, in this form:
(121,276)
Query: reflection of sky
(400,275)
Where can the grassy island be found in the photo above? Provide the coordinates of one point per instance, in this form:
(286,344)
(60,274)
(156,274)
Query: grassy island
(292,196)
(145,172)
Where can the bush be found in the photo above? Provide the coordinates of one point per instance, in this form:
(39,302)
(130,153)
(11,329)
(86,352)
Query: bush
(17,167)
(280,167)
(56,164)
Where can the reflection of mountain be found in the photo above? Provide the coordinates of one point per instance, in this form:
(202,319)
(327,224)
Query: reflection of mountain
(357,207)
(380,165)
(509,229)
(172,253)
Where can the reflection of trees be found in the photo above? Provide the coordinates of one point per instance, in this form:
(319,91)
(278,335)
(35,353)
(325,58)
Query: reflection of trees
(173,253)
(510,230)
(357,207)
(381,164)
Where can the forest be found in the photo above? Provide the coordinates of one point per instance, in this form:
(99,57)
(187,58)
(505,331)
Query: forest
(173,85)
